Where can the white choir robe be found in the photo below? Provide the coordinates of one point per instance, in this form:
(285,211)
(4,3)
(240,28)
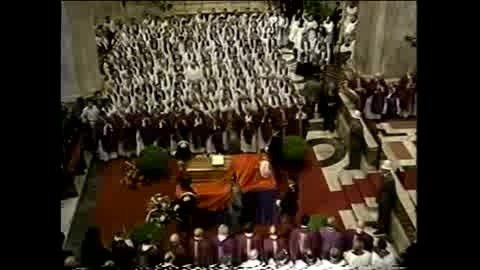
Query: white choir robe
(349,28)
(354,260)
(385,263)
(298,38)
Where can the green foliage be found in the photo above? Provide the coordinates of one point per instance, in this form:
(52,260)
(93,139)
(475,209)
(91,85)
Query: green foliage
(317,222)
(153,162)
(147,232)
(318,8)
(293,150)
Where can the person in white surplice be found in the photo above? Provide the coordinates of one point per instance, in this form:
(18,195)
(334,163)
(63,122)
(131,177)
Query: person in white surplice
(358,256)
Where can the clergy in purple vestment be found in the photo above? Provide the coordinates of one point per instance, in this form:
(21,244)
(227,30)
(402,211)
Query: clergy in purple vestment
(200,249)
(247,241)
(273,244)
(330,238)
(350,235)
(224,245)
(301,240)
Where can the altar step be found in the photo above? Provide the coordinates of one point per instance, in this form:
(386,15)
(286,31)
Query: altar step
(360,191)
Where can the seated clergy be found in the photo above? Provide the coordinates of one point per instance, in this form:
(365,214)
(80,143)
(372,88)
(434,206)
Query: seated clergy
(200,249)
(176,248)
(330,238)
(301,240)
(358,256)
(248,241)
(224,245)
(273,244)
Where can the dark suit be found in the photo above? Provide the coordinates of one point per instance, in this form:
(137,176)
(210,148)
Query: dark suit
(357,143)
(289,205)
(386,201)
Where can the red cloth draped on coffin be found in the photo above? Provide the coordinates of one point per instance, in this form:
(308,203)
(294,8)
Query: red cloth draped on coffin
(215,195)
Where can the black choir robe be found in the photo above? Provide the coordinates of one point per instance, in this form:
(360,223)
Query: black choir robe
(109,139)
(200,132)
(184,124)
(147,133)
(215,127)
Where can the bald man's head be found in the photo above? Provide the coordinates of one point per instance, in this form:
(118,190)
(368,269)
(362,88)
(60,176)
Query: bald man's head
(174,238)
(223,229)
(198,232)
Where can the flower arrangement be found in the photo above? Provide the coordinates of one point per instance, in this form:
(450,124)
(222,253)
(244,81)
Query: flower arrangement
(132,178)
(161,210)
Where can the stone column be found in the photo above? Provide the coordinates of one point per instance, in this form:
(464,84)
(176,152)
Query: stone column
(69,84)
(81,16)
(380,38)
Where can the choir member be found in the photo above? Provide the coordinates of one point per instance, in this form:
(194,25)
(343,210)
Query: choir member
(273,244)
(358,232)
(224,245)
(248,241)
(201,249)
(383,259)
(358,256)
(301,240)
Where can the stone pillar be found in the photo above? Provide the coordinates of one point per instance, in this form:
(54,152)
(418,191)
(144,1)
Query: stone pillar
(380,39)
(81,16)
(69,84)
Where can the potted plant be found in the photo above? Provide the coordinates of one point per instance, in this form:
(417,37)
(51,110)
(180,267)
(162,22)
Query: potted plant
(293,152)
(153,162)
(317,222)
(147,232)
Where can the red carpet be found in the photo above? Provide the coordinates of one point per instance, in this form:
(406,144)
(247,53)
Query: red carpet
(314,195)
(120,208)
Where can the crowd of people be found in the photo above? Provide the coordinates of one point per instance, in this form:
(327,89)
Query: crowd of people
(294,247)
(380,100)
(209,79)
(197,78)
